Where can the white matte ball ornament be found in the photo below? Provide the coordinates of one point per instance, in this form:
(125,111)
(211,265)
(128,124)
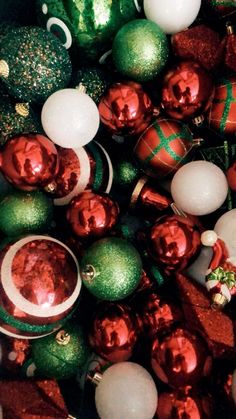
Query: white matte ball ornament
(70,118)
(199,188)
(225,228)
(126,391)
(172,15)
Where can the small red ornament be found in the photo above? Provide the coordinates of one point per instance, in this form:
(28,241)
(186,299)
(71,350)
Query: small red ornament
(164,147)
(92,214)
(187,91)
(126,109)
(113,334)
(231,176)
(14,353)
(180,358)
(173,241)
(29,161)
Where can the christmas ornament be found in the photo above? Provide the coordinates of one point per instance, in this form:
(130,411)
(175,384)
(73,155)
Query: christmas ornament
(113,400)
(222,110)
(95,80)
(230,48)
(173,241)
(23,212)
(125,109)
(70,118)
(40,284)
(172,16)
(222,8)
(130,46)
(29,162)
(90,28)
(126,173)
(231,176)
(61,354)
(158,314)
(113,333)
(163,147)
(111,269)
(187,90)
(180,358)
(199,188)
(199,43)
(82,168)
(14,353)
(92,214)
(34,64)
(130,226)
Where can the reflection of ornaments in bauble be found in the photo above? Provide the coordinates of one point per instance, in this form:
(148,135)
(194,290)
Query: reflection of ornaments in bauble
(34,64)
(187,90)
(173,241)
(92,214)
(29,161)
(125,109)
(199,188)
(130,48)
(40,284)
(111,269)
(180,358)
(163,147)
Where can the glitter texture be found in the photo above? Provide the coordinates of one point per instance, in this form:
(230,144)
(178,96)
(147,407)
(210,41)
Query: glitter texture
(38,64)
(140,50)
(111,269)
(95,80)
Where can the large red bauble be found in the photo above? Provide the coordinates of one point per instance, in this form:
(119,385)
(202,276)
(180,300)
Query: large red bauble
(163,147)
(114,332)
(187,91)
(29,161)
(39,286)
(92,214)
(180,358)
(126,109)
(173,241)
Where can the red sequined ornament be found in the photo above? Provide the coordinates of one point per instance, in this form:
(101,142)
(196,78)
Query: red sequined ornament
(187,91)
(126,109)
(180,358)
(29,161)
(92,214)
(164,147)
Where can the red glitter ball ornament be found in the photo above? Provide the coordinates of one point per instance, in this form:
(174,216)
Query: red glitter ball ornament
(114,332)
(164,147)
(180,358)
(173,241)
(187,91)
(29,161)
(126,109)
(92,214)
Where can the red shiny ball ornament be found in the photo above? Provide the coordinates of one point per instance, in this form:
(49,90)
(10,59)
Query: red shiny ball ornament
(158,315)
(231,176)
(29,161)
(126,109)
(180,358)
(14,353)
(92,214)
(187,91)
(114,332)
(173,241)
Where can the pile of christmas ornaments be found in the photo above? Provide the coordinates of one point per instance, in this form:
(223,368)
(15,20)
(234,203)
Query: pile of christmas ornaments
(117,211)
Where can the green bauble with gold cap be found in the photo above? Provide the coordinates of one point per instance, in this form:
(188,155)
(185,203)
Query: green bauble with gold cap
(111,269)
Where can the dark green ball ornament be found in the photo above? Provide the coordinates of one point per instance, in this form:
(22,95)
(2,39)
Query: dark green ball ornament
(94,79)
(33,64)
(62,354)
(111,269)
(126,174)
(24,212)
(140,50)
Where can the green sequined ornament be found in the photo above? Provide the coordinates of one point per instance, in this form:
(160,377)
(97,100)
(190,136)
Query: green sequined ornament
(111,269)
(62,354)
(23,212)
(33,64)
(94,79)
(140,50)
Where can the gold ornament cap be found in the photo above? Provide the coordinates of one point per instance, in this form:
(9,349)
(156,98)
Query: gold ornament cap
(4,69)
(219,301)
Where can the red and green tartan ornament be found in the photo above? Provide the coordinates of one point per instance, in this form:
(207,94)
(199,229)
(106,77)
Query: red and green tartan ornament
(223,109)
(164,147)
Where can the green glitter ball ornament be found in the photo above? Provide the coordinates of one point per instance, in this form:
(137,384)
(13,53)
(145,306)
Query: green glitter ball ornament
(24,212)
(94,79)
(111,269)
(62,354)
(140,50)
(126,174)
(33,64)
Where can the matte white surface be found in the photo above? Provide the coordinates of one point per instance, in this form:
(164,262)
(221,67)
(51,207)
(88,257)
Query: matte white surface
(226,230)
